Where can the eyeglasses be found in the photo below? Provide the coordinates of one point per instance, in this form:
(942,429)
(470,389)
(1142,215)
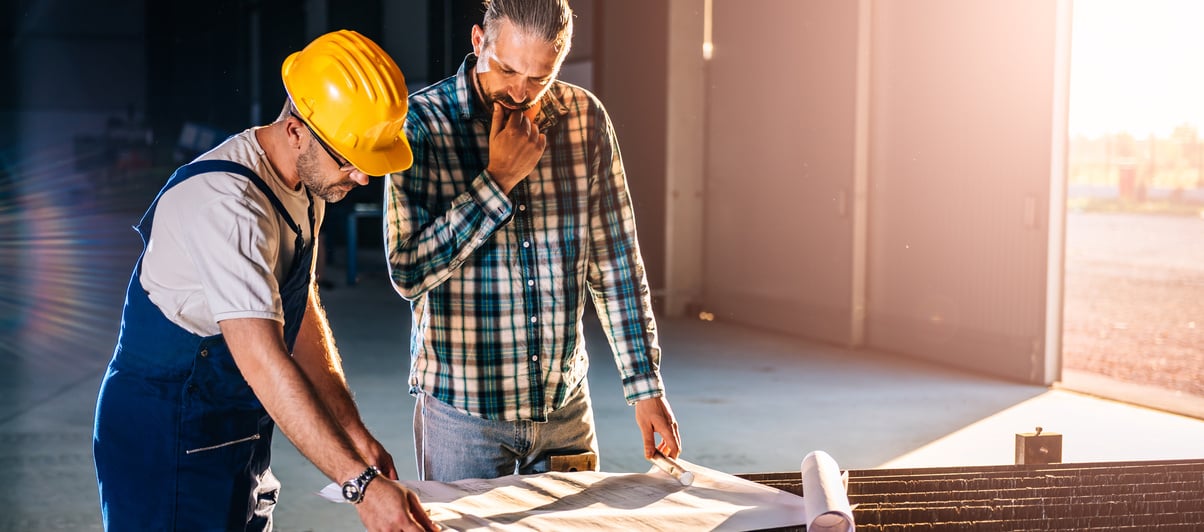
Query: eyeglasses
(345,166)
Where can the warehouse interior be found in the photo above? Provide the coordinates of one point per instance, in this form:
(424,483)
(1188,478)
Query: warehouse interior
(852,215)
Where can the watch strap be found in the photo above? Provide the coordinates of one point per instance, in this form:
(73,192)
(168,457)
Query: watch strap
(353,490)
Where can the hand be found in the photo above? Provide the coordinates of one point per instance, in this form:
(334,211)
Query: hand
(654,416)
(389,506)
(515,147)
(374,453)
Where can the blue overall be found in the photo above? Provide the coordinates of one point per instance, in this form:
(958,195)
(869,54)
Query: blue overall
(181,442)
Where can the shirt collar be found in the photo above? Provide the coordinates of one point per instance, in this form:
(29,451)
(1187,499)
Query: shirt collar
(551,108)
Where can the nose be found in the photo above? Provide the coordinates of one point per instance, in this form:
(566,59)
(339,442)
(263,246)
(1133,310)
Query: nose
(359,177)
(518,93)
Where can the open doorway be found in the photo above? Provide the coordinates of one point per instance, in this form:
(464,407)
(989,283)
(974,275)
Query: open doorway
(1133,323)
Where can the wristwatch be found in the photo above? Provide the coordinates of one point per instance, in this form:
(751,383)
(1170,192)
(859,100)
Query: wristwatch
(353,490)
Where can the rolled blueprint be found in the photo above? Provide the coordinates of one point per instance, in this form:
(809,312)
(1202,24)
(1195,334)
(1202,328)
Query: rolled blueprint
(670,466)
(824,497)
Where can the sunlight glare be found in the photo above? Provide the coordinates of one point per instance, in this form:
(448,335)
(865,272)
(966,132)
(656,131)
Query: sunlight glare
(1135,66)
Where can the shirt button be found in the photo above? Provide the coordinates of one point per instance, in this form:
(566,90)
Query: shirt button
(526,243)
(534,319)
(534,358)
(530,282)
(522,207)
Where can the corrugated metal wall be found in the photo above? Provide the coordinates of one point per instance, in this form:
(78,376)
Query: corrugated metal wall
(779,153)
(960,128)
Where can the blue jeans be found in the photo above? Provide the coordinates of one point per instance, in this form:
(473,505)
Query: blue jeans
(450,445)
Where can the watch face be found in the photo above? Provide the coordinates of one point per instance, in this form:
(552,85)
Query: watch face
(351,492)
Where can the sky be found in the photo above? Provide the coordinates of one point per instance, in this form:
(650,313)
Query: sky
(1136,66)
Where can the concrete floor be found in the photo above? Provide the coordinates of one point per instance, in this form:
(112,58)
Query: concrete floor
(747,401)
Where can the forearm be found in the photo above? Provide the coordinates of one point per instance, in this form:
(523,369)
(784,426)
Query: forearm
(319,360)
(288,396)
(425,249)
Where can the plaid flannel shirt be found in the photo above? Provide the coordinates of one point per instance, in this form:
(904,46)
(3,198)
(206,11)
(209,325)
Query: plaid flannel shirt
(497,284)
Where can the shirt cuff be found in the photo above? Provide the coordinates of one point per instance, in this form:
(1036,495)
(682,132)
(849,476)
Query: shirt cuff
(490,197)
(645,386)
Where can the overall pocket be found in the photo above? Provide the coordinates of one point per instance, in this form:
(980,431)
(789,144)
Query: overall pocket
(220,411)
(252,437)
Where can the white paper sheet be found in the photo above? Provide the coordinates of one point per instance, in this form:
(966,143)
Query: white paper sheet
(653,501)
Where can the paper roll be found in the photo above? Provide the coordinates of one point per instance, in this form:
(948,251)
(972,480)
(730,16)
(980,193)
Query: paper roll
(674,469)
(824,497)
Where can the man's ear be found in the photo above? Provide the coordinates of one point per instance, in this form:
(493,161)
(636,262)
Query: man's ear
(294,129)
(478,39)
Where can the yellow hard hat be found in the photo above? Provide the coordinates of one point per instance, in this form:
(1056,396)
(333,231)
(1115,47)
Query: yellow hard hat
(353,96)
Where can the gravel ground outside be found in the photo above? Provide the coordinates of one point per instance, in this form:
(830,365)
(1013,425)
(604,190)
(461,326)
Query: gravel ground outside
(1134,299)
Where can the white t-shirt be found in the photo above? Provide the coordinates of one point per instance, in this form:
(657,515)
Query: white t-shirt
(218,249)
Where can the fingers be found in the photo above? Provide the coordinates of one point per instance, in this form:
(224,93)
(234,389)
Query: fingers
(676,441)
(670,438)
(671,442)
(514,121)
(518,122)
(499,116)
(522,125)
(418,514)
(649,442)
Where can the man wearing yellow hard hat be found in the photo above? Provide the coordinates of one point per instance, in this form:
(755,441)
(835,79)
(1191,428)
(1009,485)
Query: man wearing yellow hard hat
(222,334)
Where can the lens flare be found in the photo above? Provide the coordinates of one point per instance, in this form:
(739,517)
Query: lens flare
(67,250)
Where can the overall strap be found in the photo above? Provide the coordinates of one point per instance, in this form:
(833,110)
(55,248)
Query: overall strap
(267,191)
(217,165)
(179,176)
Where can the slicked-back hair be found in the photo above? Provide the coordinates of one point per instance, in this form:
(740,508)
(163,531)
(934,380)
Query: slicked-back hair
(286,111)
(551,20)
